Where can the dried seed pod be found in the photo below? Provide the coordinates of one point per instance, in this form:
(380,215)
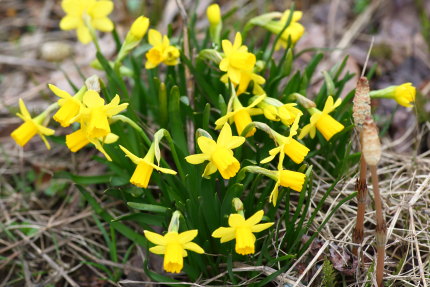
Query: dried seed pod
(371,143)
(55,51)
(93,83)
(361,107)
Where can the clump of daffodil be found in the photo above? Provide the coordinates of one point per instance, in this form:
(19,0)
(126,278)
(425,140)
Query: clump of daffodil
(219,153)
(69,105)
(239,65)
(161,51)
(31,126)
(145,167)
(291,147)
(215,24)
(173,245)
(239,114)
(322,121)
(94,118)
(275,110)
(134,36)
(85,15)
(403,94)
(242,230)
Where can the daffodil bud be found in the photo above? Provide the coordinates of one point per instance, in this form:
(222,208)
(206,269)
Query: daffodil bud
(214,14)
(371,144)
(238,205)
(134,36)
(403,94)
(215,23)
(361,107)
(138,29)
(174,222)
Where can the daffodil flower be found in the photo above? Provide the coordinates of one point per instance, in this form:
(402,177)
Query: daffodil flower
(173,246)
(94,115)
(291,147)
(294,30)
(403,94)
(219,153)
(30,127)
(80,138)
(145,167)
(82,13)
(242,230)
(240,115)
(69,105)
(322,121)
(275,110)
(287,178)
(161,52)
(239,64)
(134,36)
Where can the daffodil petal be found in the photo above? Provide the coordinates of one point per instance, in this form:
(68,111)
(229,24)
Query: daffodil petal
(155,238)
(159,249)
(194,247)
(256,218)
(261,227)
(235,220)
(133,158)
(187,236)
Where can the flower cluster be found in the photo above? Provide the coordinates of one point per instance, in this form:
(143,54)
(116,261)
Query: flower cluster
(250,104)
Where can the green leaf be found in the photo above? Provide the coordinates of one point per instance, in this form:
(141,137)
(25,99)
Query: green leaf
(148,207)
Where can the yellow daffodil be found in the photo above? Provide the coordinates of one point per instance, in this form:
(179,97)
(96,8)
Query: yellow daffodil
(291,147)
(30,127)
(69,106)
(145,167)
(94,115)
(287,178)
(214,14)
(403,94)
(239,65)
(322,121)
(240,115)
(219,153)
(161,52)
(294,30)
(275,110)
(80,138)
(174,246)
(83,15)
(243,231)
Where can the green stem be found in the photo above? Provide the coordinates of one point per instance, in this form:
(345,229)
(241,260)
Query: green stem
(92,33)
(133,124)
(175,155)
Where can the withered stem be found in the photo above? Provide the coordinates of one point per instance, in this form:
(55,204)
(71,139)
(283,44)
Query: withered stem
(381,228)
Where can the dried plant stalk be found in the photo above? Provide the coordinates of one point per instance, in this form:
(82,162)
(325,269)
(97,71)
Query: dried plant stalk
(372,155)
(361,110)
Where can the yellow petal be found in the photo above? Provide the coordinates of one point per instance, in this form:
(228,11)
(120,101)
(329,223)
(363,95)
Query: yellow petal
(84,35)
(103,24)
(77,140)
(261,227)
(194,247)
(237,41)
(24,132)
(256,218)
(235,220)
(197,158)
(226,46)
(206,145)
(133,158)
(187,236)
(225,233)
(209,169)
(225,135)
(164,170)
(70,23)
(101,8)
(155,238)
(23,109)
(154,37)
(159,249)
